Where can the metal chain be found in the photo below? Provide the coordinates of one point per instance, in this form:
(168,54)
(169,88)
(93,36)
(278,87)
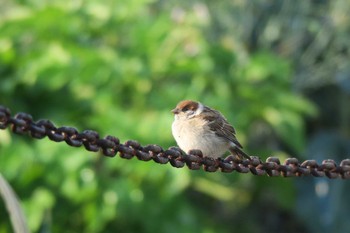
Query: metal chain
(22,123)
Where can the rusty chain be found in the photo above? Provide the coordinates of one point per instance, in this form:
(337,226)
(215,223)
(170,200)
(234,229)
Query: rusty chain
(22,123)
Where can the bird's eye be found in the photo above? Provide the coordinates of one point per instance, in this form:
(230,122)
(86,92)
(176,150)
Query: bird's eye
(186,108)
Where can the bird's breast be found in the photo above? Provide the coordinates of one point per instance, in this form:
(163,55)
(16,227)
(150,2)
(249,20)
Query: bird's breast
(195,134)
(188,129)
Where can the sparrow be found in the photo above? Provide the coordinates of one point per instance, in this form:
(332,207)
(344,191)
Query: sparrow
(198,127)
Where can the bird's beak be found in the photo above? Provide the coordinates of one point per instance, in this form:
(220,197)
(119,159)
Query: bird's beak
(175,111)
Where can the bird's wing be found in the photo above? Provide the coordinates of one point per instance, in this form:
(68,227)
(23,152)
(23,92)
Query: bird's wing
(220,126)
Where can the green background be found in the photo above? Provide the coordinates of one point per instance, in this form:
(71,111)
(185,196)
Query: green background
(278,70)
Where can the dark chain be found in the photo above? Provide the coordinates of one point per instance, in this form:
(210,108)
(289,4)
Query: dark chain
(22,123)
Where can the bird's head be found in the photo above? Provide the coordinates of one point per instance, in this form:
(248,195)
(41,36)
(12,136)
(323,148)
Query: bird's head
(187,109)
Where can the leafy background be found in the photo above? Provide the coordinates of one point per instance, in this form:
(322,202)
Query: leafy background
(278,70)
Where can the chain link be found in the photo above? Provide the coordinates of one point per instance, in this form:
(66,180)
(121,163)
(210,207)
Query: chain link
(22,123)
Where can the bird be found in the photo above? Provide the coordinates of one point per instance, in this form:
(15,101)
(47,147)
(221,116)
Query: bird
(199,127)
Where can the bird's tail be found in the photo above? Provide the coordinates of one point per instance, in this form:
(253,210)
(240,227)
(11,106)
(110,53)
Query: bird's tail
(239,152)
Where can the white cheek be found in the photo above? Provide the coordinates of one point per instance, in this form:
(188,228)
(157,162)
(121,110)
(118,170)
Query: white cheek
(199,109)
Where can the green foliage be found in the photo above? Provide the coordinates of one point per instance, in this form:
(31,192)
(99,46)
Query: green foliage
(118,67)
